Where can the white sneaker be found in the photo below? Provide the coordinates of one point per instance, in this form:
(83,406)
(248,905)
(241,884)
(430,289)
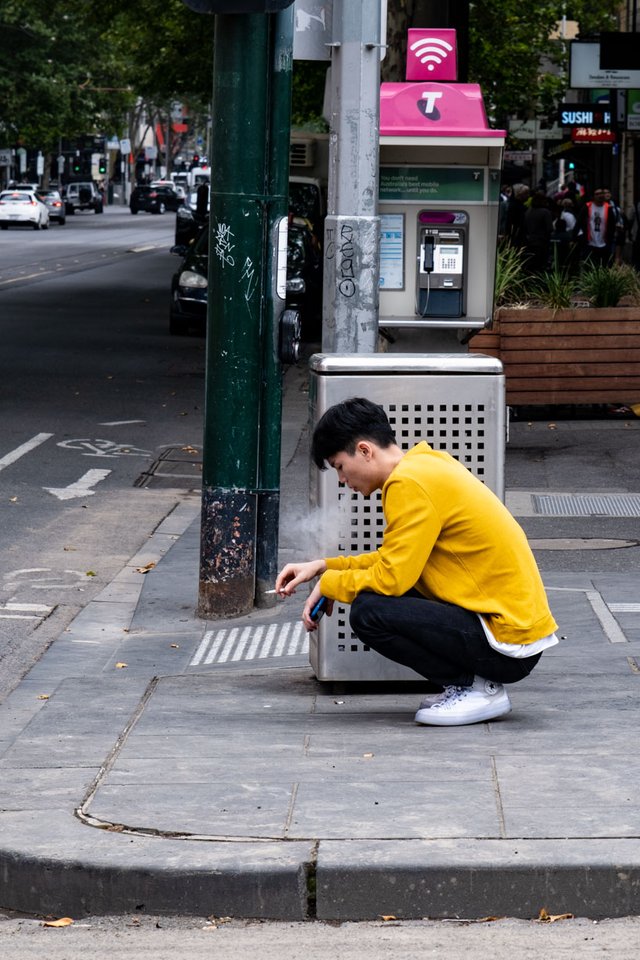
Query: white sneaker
(483,700)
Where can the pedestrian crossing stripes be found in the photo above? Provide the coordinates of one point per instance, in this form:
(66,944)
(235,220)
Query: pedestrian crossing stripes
(251,643)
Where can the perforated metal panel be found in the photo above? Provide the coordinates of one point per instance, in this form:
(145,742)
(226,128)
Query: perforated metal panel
(454,402)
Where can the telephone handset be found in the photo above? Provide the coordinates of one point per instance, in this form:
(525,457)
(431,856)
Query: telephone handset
(427,254)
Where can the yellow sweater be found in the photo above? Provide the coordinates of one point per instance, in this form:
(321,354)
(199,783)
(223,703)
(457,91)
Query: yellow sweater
(452,539)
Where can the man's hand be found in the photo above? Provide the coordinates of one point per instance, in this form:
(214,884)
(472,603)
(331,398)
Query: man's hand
(309,624)
(294,574)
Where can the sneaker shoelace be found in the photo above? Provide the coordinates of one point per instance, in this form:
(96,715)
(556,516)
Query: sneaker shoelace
(449,696)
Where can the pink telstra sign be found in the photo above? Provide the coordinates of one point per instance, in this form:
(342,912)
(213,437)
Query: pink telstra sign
(431,55)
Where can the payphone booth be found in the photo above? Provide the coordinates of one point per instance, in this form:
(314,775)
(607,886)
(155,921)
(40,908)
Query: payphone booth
(440,170)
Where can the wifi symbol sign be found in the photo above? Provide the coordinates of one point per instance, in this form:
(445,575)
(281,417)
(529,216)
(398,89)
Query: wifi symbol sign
(431,55)
(431,51)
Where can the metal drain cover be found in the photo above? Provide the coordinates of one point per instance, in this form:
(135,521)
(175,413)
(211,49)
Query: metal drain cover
(586,505)
(175,467)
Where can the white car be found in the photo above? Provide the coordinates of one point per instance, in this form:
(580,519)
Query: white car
(22,208)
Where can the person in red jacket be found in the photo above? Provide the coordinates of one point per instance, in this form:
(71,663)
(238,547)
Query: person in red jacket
(595,229)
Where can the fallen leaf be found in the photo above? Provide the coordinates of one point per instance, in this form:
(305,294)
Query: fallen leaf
(121,666)
(43,696)
(91,573)
(13,500)
(69,549)
(368,756)
(387,917)
(544,917)
(468,920)
(146,568)
(62,922)
(175,646)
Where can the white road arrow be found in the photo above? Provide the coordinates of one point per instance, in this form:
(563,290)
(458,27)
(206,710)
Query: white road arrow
(81,488)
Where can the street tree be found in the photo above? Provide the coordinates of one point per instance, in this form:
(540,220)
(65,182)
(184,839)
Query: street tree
(45,87)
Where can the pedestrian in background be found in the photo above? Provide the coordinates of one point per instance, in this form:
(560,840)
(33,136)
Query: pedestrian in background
(516,231)
(620,234)
(634,234)
(538,224)
(595,229)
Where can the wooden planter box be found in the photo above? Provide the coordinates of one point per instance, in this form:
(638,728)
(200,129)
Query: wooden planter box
(586,355)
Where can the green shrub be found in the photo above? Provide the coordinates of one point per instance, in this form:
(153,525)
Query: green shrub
(511,278)
(606,286)
(555,289)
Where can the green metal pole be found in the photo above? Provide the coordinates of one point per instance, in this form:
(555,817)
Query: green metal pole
(238,233)
(271,407)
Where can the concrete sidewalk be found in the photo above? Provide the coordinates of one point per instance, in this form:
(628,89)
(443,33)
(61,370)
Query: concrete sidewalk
(179,766)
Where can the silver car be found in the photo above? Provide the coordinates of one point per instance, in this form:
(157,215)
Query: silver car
(22,208)
(54,204)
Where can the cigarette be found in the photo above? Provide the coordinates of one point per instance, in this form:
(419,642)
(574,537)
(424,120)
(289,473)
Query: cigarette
(270,591)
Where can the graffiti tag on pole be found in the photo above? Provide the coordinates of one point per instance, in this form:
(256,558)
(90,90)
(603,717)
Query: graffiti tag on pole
(224,245)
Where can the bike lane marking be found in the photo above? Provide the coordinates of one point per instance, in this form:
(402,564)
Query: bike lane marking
(20,451)
(81,487)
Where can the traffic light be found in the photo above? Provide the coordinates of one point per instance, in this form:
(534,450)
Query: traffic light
(102,165)
(237,6)
(77,166)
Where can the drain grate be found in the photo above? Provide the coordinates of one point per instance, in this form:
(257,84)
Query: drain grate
(175,467)
(587,505)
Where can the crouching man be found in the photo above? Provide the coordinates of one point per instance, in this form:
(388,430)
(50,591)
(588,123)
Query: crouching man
(453,592)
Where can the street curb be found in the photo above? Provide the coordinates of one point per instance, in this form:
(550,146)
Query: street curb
(413,879)
(115,873)
(112,873)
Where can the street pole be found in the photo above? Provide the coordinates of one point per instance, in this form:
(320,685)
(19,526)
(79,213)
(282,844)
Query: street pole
(281,57)
(237,243)
(352,226)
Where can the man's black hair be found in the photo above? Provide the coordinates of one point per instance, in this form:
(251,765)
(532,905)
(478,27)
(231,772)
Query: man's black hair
(343,425)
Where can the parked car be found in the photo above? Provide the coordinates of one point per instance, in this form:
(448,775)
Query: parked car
(178,187)
(189,284)
(155,198)
(191,219)
(54,204)
(82,196)
(304,276)
(306,199)
(22,208)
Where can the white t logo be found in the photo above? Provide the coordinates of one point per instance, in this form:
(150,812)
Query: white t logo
(429,98)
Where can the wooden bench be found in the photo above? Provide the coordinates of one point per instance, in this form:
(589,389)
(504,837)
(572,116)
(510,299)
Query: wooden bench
(585,355)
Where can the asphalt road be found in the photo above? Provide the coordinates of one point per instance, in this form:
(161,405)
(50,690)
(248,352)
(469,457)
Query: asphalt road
(163,938)
(93,390)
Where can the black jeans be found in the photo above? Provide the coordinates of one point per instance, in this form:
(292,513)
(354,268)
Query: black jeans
(440,641)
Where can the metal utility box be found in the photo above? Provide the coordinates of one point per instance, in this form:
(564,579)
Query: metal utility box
(453,401)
